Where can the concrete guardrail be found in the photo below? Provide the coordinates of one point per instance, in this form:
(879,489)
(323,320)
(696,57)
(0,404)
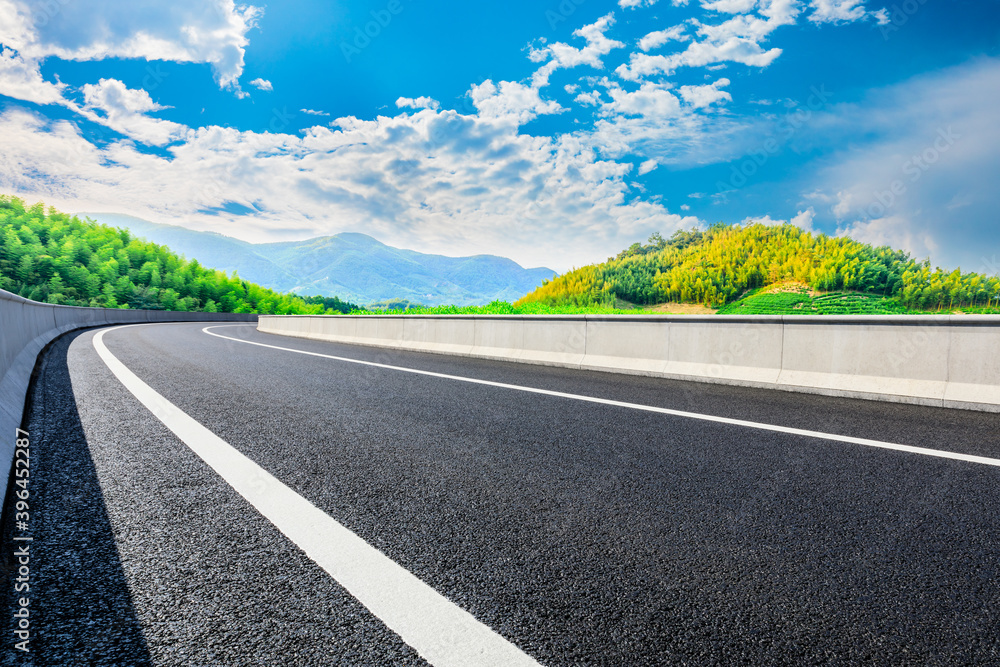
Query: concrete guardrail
(949,360)
(26,327)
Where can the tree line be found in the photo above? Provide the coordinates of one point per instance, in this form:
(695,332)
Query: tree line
(55,258)
(717,266)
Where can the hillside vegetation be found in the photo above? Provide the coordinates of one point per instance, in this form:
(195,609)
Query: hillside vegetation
(55,258)
(724,264)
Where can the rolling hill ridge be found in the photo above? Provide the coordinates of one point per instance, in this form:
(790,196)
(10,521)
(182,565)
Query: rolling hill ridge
(351,266)
(49,256)
(726,264)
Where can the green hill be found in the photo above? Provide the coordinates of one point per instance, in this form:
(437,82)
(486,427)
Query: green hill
(55,258)
(731,268)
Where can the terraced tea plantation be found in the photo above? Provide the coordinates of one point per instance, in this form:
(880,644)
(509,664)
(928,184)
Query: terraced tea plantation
(803,303)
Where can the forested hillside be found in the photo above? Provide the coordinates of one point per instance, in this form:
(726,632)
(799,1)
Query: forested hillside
(718,266)
(52,257)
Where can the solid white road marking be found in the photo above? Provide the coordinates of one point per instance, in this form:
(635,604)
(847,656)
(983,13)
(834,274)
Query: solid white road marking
(985,460)
(439,630)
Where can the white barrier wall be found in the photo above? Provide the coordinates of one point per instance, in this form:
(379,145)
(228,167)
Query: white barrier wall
(948,360)
(26,327)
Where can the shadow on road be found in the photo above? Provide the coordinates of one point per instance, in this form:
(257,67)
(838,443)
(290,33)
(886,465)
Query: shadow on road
(81,611)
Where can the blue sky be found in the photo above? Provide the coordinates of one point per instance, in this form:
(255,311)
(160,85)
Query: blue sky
(554,133)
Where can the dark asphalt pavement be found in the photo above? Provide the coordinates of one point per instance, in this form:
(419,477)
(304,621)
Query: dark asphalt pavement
(585,534)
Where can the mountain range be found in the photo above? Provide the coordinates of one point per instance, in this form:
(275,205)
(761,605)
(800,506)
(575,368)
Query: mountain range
(352,266)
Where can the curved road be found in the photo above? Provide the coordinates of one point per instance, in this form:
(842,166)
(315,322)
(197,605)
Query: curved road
(301,509)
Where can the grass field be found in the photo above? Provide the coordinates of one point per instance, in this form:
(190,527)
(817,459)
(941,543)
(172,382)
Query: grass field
(756,302)
(504,308)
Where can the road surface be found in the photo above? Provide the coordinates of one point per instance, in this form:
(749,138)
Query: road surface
(305,509)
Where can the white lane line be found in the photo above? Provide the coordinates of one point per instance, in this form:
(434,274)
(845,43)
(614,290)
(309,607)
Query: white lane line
(985,460)
(439,630)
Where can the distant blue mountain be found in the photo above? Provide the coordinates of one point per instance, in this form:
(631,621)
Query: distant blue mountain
(354,267)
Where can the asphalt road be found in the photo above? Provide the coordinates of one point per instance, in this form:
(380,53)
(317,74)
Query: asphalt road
(584,534)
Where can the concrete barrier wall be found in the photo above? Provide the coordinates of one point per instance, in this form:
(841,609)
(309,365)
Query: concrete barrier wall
(26,327)
(949,360)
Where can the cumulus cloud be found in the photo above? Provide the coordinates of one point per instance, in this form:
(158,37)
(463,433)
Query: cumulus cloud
(703,96)
(262,84)
(23,80)
(511,101)
(563,56)
(111,103)
(414,180)
(738,40)
(804,219)
(843,11)
(652,99)
(658,38)
(213,32)
(417,103)
(729,6)
(427,176)
(114,98)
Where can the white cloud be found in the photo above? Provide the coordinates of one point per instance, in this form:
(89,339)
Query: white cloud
(124,110)
(633,4)
(842,208)
(729,6)
(898,232)
(735,40)
(703,96)
(564,56)
(651,122)
(590,98)
(838,11)
(901,186)
(114,98)
(426,180)
(658,38)
(199,31)
(766,220)
(510,101)
(262,84)
(23,80)
(804,219)
(417,103)
(313,112)
(652,99)
(647,166)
